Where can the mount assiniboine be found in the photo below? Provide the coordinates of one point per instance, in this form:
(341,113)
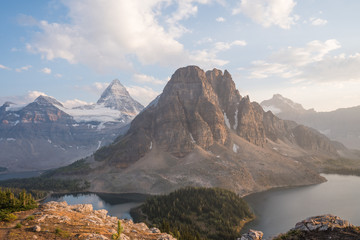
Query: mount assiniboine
(200,131)
(44,134)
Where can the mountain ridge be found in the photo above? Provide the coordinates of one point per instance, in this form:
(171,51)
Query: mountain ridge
(45,134)
(339,125)
(200,132)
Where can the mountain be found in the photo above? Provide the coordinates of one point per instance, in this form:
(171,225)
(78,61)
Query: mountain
(44,134)
(341,125)
(201,132)
(117,97)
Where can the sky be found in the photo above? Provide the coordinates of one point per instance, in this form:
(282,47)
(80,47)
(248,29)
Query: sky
(306,50)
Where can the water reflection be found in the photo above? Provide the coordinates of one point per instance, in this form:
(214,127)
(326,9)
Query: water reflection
(118,205)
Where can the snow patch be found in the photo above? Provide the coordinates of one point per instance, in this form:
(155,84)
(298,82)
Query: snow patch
(15,107)
(101,126)
(75,125)
(192,139)
(95,113)
(236,119)
(235,148)
(99,145)
(150,145)
(227,123)
(49,141)
(271,108)
(16,122)
(10,139)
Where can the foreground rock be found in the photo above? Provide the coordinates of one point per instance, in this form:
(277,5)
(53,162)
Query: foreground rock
(252,235)
(322,227)
(56,220)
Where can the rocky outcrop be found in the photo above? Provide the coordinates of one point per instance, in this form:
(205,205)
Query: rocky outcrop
(322,223)
(58,220)
(322,227)
(339,125)
(252,235)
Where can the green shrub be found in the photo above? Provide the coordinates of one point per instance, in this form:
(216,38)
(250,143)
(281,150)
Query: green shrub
(18,225)
(62,233)
(31,217)
(120,229)
(9,217)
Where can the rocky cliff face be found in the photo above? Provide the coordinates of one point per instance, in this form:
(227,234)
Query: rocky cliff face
(200,131)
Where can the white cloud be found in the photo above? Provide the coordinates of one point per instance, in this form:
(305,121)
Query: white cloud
(312,63)
(220,19)
(74,103)
(46,70)
(4,67)
(338,68)
(208,57)
(24,68)
(58,75)
(314,51)
(268,13)
(222,46)
(118,33)
(262,69)
(318,21)
(142,78)
(22,99)
(142,94)
(32,95)
(100,86)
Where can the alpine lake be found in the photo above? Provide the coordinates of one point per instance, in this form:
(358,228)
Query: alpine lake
(276,210)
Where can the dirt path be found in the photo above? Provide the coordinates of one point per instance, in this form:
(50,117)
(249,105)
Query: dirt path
(6,227)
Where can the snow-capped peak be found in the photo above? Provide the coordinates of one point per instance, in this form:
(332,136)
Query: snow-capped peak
(114,90)
(117,97)
(46,100)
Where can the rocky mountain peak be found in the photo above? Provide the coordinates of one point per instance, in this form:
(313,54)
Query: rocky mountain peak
(117,97)
(278,104)
(199,122)
(47,101)
(115,89)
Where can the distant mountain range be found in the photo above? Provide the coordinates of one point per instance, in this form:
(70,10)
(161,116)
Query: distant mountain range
(341,125)
(201,132)
(44,134)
